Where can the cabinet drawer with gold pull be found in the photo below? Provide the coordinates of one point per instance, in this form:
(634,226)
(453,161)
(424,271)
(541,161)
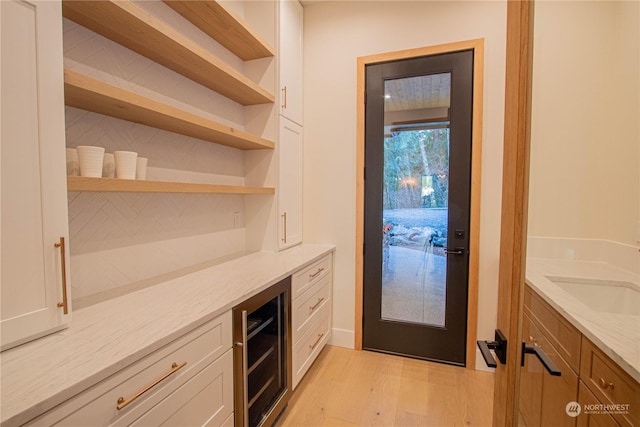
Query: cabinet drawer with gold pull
(305,307)
(310,344)
(127,394)
(305,278)
(610,384)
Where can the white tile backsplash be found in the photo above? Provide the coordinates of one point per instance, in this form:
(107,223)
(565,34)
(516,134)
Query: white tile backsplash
(618,254)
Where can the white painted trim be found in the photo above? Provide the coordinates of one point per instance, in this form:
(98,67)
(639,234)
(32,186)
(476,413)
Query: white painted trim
(342,338)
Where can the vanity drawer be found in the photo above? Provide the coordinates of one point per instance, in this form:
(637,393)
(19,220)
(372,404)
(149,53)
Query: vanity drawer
(309,304)
(159,373)
(563,336)
(585,419)
(610,384)
(305,278)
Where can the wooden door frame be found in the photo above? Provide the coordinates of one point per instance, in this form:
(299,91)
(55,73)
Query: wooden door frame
(474,227)
(515,200)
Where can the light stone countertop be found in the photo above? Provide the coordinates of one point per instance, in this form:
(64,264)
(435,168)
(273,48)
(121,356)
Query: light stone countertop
(617,335)
(106,337)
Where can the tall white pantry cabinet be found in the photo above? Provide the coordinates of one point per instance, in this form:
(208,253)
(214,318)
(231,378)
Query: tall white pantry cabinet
(290,149)
(33,264)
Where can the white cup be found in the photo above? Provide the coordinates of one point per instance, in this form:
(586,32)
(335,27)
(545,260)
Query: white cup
(73,164)
(126,164)
(141,168)
(90,160)
(109,166)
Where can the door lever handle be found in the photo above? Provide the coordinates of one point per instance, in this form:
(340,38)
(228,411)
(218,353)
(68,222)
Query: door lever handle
(499,346)
(544,358)
(454,251)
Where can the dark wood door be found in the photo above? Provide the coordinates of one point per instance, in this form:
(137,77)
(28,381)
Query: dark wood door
(418,133)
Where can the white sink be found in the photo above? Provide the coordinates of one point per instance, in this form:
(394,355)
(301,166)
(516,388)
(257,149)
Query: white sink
(602,295)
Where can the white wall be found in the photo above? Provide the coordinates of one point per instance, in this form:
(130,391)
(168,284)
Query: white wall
(585,152)
(335,34)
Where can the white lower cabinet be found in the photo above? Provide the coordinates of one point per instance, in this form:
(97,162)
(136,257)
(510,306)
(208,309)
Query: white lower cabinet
(204,400)
(311,307)
(188,382)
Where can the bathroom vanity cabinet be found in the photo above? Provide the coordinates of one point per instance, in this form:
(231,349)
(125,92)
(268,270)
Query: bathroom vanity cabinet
(589,377)
(543,397)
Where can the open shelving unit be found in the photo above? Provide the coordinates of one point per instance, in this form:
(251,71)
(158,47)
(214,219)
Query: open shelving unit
(94,95)
(224,26)
(131,26)
(75,183)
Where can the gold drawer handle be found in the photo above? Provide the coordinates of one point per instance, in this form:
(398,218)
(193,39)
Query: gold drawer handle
(123,403)
(64,304)
(605,385)
(314,306)
(315,344)
(314,275)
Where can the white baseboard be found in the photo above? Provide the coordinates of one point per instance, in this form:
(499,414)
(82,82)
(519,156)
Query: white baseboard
(342,338)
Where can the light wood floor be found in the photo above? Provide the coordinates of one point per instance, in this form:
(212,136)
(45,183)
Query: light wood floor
(361,388)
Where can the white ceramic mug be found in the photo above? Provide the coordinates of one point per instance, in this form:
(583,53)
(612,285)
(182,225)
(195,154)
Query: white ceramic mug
(73,163)
(90,159)
(109,166)
(126,164)
(141,168)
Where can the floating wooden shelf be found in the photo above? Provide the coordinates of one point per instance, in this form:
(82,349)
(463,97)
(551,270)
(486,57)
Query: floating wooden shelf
(131,26)
(224,26)
(94,95)
(75,183)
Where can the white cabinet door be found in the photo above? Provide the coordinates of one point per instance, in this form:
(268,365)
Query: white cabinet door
(290,184)
(33,173)
(290,54)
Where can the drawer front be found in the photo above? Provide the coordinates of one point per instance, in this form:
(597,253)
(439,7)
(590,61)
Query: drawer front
(308,305)
(310,344)
(154,373)
(205,400)
(305,278)
(562,335)
(586,419)
(557,391)
(610,384)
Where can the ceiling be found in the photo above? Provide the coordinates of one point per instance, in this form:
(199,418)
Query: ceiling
(417,93)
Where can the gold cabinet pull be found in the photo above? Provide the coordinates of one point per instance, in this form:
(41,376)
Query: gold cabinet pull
(314,275)
(284,222)
(123,403)
(605,385)
(314,306)
(284,98)
(315,344)
(64,304)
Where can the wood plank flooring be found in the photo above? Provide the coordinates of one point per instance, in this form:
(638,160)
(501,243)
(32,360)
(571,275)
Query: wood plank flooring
(361,388)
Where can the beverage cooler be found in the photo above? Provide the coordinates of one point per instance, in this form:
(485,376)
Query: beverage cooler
(262,356)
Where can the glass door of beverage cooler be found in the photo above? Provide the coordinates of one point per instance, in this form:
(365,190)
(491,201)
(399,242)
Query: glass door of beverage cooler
(262,355)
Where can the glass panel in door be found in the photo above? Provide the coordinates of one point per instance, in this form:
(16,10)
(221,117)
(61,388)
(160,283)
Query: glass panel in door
(415,198)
